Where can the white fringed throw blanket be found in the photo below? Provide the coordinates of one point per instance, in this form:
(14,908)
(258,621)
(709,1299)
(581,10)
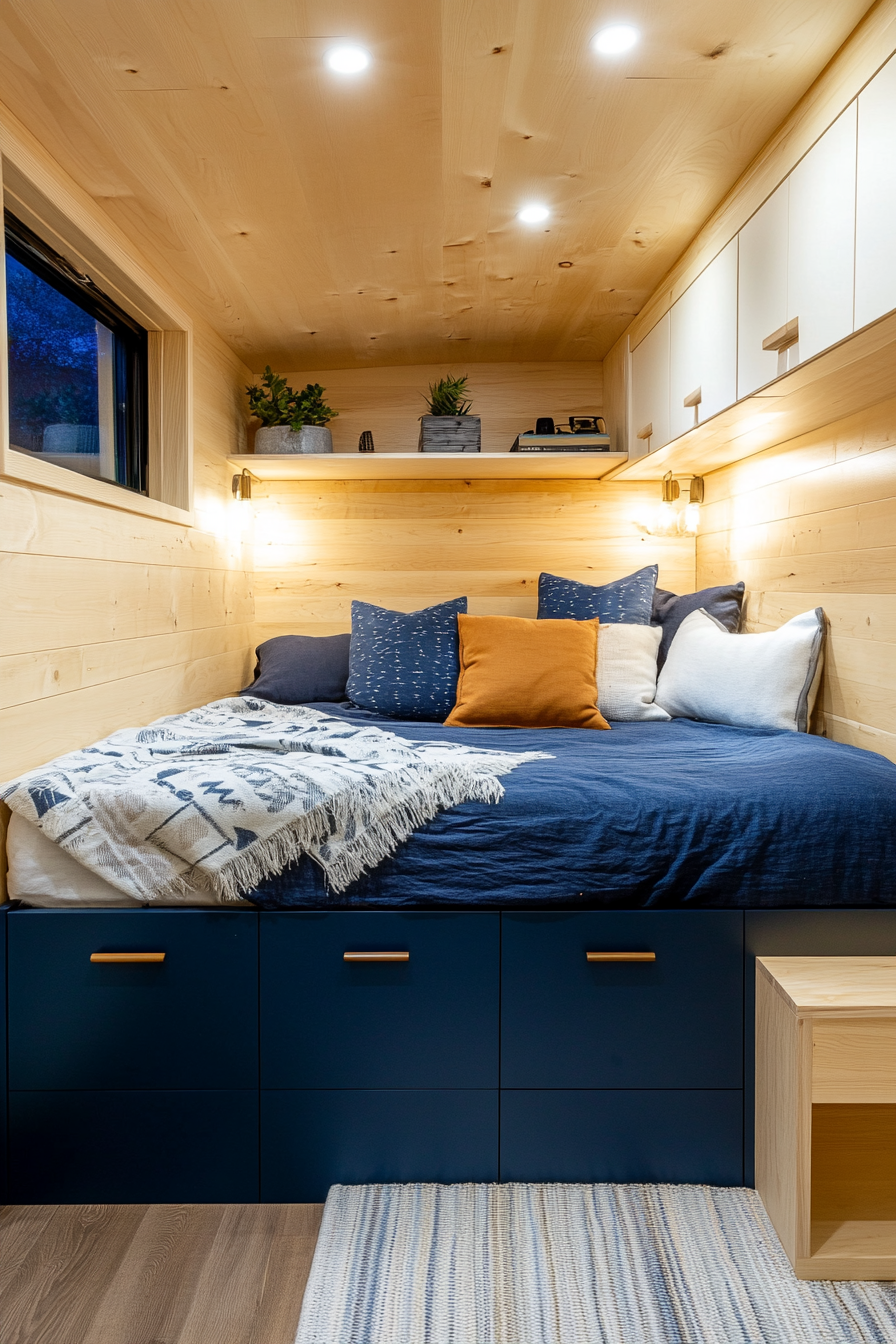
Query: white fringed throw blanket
(222,797)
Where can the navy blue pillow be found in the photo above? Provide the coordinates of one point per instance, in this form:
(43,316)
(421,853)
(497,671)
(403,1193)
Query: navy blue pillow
(669,611)
(405,664)
(628,601)
(298,669)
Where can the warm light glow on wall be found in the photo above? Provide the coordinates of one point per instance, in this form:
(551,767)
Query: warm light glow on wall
(669,518)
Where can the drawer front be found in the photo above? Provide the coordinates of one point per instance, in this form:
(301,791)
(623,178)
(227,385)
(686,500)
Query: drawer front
(676,1022)
(430,1021)
(134,1147)
(312,1140)
(622,1136)
(190,1021)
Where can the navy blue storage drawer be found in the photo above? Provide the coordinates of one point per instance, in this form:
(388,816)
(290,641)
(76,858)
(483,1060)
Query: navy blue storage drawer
(188,1022)
(312,1140)
(690,1136)
(431,1021)
(676,1022)
(134,1147)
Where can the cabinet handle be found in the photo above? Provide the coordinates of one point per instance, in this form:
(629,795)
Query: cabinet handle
(127,956)
(784,337)
(620,956)
(646,432)
(376,956)
(693,398)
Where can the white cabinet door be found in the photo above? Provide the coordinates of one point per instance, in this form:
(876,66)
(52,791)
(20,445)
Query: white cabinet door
(876,198)
(762,290)
(703,358)
(650,391)
(821,249)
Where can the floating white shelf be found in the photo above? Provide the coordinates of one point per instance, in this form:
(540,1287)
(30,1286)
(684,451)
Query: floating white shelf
(849,377)
(427,466)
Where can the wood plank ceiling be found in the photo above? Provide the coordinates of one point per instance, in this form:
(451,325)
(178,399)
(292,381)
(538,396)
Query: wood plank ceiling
(326,222)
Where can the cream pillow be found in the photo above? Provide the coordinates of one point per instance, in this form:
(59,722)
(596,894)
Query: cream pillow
(626,672)
(748,681)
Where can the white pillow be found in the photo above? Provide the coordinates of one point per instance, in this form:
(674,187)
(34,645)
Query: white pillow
(750,681)
(626,672)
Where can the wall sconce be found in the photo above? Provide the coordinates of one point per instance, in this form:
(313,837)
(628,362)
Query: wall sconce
(692,508)
(241,485)
(669,521)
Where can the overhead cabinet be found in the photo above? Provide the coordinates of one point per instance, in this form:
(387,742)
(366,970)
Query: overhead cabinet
(795,273)
(821,241)
(814,264)
(762,292)
(703,353)
(876,198)
(650,391)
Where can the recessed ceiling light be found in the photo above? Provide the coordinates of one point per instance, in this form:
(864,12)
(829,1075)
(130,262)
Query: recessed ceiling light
(347,60)
(613,41)
(533,214)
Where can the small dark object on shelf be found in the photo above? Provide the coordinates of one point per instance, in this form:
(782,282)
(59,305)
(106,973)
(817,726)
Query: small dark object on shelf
(365,443)
(544,425)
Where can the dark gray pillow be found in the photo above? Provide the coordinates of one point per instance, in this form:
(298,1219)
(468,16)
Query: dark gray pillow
(624,602)
(669,610)
(298,669)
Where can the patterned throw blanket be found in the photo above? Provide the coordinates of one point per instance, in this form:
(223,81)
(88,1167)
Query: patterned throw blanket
(223,796)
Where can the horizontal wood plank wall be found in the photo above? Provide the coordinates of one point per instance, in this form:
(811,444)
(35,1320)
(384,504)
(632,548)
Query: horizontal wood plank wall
(507,397)
(408,544)
(110,619)
(812,523)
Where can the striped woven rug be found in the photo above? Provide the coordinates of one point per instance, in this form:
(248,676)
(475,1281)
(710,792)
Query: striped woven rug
(570,1264)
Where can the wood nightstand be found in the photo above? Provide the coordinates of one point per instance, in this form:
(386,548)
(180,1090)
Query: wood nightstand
(826,1112)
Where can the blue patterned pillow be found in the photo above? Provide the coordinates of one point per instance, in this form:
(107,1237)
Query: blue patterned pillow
(628,601)
(403,664)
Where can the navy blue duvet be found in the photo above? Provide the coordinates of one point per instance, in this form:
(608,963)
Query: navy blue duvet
(647,816)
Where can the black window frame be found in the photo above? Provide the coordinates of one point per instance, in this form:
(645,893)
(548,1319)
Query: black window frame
(130,369)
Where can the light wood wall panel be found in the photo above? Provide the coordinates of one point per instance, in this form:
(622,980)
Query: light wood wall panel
(507,397)
(111,619)
(813,523)
(408,544)
(108,617)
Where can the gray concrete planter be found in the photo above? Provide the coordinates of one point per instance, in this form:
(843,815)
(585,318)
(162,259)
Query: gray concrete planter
(282,439)
(449,434)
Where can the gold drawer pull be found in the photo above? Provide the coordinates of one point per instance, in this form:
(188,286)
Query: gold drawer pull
(620,956)
(376,956)
(127,956)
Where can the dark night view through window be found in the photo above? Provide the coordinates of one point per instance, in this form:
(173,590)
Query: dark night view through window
(77,367)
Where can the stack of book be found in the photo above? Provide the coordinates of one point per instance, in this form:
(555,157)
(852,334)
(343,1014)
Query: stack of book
(561,443)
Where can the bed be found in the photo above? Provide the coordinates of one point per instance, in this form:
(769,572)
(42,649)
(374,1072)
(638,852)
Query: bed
(648,816)
(498,1050)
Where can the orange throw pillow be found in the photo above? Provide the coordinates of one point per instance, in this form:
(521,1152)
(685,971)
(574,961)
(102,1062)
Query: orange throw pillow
(518,673)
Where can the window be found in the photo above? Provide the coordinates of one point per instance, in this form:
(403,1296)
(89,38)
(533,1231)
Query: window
(77,367)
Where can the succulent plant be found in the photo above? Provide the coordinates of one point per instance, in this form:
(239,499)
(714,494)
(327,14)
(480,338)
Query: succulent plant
(447,397)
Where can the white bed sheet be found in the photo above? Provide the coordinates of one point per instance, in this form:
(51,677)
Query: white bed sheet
(43,875)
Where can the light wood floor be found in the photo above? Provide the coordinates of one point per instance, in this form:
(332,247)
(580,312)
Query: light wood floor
(154,1273)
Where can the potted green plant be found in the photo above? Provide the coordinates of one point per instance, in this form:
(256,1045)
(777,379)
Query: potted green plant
(449,427)
(291,422)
